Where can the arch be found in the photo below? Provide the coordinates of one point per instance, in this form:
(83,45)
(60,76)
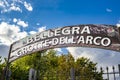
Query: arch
(96,36)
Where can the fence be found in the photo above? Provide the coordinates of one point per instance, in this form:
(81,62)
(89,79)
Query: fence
(111,75)
(72,74)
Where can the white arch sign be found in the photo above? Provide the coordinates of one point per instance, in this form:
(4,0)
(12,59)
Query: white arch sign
(96,36)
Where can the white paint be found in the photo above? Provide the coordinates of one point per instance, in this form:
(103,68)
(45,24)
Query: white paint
(81,39)
(75,30)
(66,31)
(96,39)
(105,39)
(89,39)
(85,30)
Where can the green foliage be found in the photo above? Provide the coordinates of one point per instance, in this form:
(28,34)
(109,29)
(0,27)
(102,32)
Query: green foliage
(86,69)
(20,69)
(51,66)
(2,68)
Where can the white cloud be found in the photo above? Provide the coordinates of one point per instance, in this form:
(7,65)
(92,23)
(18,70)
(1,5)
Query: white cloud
(14,5)
(22,23)
(28,6)
(4,49)
(14,20)
(118,25)
(8,6)
(2,4)
(43,28)
(58,49)
(37,23)
(32,32)
(10,33)
(15,8)
(40,29)
(101,56)
(21,35)
(108,10)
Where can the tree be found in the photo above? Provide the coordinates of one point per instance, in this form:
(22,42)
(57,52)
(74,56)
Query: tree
(86,70)
(1,67)
(20,69)
(51,66)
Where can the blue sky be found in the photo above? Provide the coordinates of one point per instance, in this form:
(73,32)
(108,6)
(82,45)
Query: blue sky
(69,12)
(58,13)
(20,18)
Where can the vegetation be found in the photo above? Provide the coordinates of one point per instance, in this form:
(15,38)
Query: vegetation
(51,66)
(0,66)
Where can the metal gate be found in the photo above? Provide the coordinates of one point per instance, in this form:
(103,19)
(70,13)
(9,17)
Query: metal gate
(106,73)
